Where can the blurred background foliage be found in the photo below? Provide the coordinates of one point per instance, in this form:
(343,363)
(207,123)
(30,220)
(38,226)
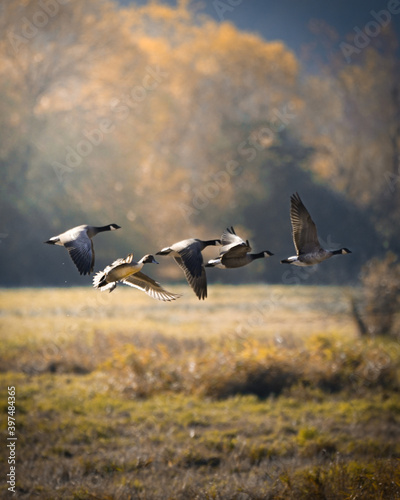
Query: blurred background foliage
(173,126)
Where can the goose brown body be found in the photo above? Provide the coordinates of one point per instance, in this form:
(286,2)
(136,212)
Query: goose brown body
(305,237)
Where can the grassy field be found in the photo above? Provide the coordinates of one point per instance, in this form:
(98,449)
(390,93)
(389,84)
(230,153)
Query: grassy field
(260,392)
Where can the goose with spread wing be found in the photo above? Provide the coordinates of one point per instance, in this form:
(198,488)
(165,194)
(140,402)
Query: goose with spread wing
(305,238)
(187,254)
(235,252)
(128,272)
(78,242)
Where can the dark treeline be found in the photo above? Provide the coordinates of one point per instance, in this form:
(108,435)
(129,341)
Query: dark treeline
(175,126)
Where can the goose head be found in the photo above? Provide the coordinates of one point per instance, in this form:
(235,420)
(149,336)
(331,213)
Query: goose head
(267,253)
(148,259)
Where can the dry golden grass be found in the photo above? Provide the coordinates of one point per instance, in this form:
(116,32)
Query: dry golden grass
(258,392)
(255,309)
(83,325)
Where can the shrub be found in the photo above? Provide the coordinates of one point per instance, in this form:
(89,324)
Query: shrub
(228,367)
(376,310)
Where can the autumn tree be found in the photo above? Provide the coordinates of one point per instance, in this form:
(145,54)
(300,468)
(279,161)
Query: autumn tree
(351,119)
(156,116)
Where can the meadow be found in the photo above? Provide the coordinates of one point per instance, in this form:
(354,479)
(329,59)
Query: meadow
(259,392)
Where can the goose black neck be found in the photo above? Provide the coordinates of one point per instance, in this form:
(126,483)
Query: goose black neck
(101,229)
(257,255)
(211,242)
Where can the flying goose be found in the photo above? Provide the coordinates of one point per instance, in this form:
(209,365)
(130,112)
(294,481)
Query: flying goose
(128,271)
(305,237)
(78,242)
(187,254)
(235,252)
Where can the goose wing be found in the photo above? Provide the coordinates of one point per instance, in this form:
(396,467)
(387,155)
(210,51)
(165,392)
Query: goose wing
(233,245)
(100,281)
(235,251)
(117,263)
(81,251)
(151,287)
(190,260)
(229,236)
(304,230)
(123,260)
